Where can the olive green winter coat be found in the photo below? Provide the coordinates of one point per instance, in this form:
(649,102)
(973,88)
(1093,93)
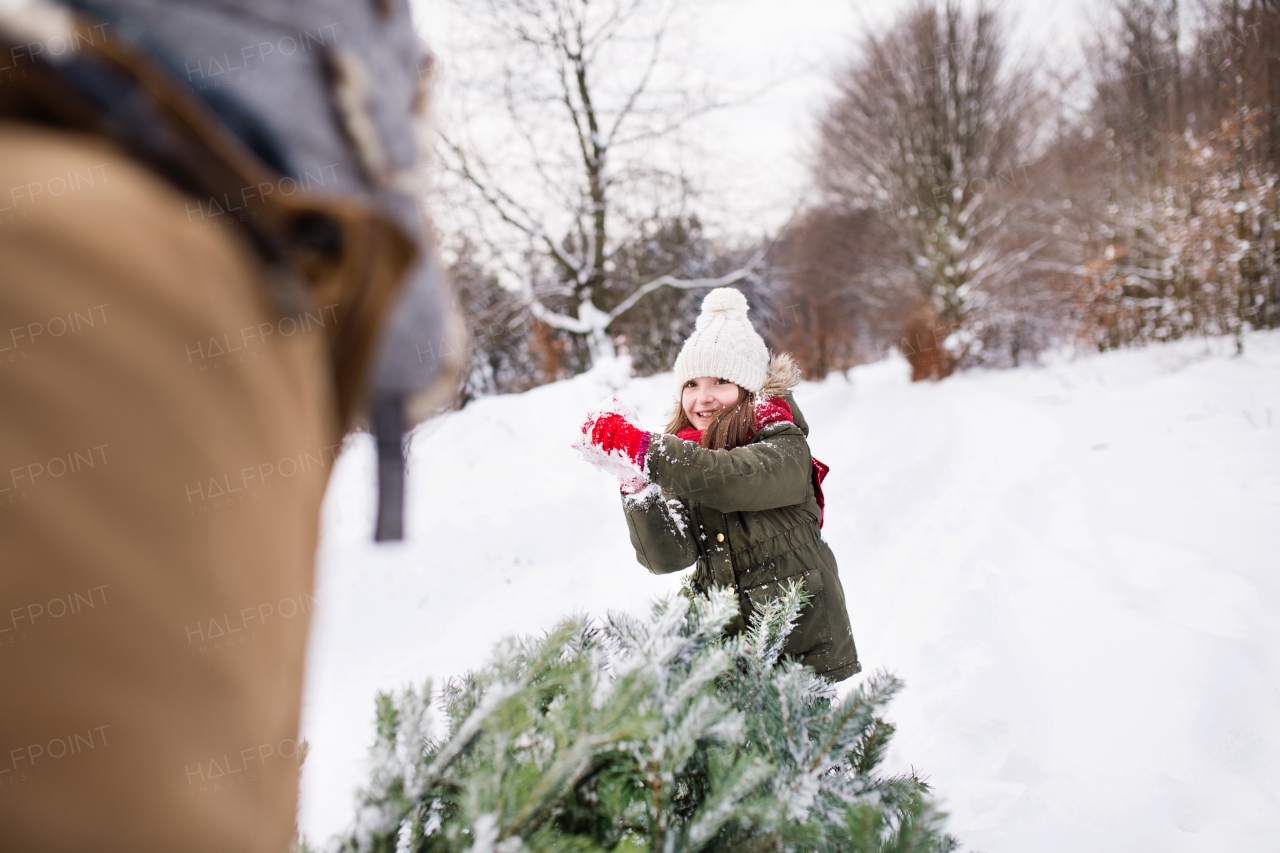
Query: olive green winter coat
(748,517)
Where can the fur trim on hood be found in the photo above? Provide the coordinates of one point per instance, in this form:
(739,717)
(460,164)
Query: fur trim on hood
(782,376)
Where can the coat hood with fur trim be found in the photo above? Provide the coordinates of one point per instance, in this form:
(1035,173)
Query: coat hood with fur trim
(782,376)
(780,380)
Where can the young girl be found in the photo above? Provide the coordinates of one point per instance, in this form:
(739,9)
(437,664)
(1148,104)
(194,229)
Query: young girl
(731,486)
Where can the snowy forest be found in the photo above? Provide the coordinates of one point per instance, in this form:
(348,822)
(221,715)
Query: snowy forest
(1058,553)
(974,205)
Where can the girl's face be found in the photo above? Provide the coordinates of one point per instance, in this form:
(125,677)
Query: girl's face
(701,398)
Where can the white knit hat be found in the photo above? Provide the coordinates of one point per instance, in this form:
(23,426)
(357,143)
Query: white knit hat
(724,344)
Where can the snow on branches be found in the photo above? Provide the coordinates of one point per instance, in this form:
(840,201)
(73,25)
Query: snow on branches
(661,733)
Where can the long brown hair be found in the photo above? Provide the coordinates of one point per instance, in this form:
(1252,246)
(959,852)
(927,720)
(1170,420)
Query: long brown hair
(730,427)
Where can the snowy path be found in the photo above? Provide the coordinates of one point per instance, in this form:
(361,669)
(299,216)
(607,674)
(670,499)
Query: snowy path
(1074,568)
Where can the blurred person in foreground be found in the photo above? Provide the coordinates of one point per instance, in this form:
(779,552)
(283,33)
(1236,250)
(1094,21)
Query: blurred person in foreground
(211,268)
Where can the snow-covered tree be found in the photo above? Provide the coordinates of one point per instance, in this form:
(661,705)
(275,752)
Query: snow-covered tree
(552,148)
(1179,221)
(657,734)
(934,127)
(1195,257)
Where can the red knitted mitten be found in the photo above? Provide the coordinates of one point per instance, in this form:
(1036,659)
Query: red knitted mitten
(612,432)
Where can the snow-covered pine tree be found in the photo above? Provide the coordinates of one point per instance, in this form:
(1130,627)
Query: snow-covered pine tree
(656,734)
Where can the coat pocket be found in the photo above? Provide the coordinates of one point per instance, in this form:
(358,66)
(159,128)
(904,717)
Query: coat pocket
(812,629)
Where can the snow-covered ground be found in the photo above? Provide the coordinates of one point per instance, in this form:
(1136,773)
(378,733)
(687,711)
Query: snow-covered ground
(1074,567)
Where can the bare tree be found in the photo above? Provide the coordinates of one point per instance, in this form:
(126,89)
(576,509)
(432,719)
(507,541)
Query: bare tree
(839,298)
(936,129)
(562,152)
(656,327)
(1137,69)
(506,355)
(1234,71)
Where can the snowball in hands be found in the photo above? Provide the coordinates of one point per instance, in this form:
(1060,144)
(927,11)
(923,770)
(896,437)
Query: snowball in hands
(612,443)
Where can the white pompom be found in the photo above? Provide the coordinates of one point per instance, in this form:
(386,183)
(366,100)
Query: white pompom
(725,299)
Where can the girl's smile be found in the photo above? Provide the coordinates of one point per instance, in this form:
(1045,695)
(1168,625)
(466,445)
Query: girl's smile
(704,396)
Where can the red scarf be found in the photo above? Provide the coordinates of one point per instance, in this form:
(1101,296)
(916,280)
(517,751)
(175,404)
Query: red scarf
(772,410)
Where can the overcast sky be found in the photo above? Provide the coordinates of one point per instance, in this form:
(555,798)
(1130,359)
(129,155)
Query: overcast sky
(753,159)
